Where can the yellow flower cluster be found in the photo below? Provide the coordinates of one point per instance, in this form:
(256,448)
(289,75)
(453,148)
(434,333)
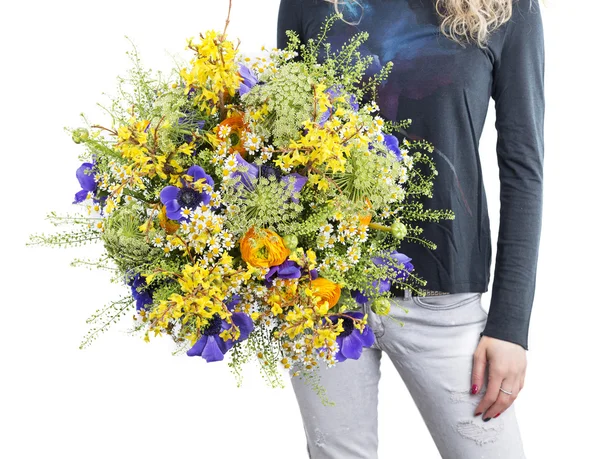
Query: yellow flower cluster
(325,149)
(214,71)
(146,160)
(204,292)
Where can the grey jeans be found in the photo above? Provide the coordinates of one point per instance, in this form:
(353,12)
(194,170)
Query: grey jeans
(433,353)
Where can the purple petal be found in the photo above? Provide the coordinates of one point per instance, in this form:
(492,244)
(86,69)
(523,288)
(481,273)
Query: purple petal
(196,349)
(359,297)
(355,314)
(352,345)
(248,76)
(289,270)
(249,175)
(215,349)
(313,274)
(243,89)
(353,102)
(198,173)
(299,182)
(400,257)
(80,196)
(338,355)
(245,324)
(142,300)
(334,91)
(168,193)
(173,210)
(391,142)
(272,272)
(205,197)
(85,177)
(367,336)
(384,285)
(324,117)
(235,300)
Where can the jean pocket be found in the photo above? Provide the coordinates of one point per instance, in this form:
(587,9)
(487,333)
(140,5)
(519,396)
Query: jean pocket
(450,301)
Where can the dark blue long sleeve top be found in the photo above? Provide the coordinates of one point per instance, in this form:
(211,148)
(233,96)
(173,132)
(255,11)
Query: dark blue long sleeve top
(445,88)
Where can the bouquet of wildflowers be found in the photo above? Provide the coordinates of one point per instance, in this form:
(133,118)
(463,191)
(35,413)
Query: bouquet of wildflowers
(254,207)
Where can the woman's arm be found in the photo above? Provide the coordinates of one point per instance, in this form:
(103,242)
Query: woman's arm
(518,90)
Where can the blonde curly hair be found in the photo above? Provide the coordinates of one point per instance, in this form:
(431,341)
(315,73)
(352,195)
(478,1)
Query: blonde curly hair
(464,21)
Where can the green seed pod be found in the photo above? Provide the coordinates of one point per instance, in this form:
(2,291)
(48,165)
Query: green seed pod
(290,241)
(399,230)
(80,134)
(381,306)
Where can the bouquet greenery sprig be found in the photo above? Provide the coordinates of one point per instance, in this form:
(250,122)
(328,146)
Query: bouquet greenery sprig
(254,207)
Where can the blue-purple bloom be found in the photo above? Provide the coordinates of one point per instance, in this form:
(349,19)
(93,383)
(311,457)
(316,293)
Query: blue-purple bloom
(286,270)
(249,79)
(392,144)
(211,347)
(140,292)
(352,341)
(87,180)
(252,172)
(175,199)
(392,261)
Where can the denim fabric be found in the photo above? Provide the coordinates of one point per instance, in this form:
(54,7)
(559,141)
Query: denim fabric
(433,353)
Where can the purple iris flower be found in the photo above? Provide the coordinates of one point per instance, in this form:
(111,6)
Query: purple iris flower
(140,292)
(87,180)
(394,264)
(334,92)
(391,142)
(175,198)
(351,341)
(211,346)
(252,172)
(249,79)
(286,270)
(392,261)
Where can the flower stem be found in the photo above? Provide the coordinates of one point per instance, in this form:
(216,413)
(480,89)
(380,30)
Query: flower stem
(379,227)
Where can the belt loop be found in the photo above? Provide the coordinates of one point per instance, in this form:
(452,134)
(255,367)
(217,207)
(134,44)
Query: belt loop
(407,293)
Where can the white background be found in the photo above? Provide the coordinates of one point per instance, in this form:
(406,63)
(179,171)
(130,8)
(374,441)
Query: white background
(125,398)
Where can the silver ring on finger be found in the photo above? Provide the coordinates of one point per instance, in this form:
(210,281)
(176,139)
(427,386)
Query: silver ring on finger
(506,391)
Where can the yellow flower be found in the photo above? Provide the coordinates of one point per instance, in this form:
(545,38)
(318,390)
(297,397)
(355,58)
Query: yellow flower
(329,292)
(263,248)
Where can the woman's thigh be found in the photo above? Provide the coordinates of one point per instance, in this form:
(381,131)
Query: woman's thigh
(349,428)
(433,352)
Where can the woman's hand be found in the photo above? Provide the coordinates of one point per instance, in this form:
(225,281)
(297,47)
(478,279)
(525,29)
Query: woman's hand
(507,364)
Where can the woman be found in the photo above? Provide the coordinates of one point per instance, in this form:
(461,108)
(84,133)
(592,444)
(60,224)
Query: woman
(463,367)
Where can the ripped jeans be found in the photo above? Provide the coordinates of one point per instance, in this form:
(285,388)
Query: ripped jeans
(433,353)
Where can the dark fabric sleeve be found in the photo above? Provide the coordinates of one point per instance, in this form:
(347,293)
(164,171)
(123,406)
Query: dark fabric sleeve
(289,18)
(518,92)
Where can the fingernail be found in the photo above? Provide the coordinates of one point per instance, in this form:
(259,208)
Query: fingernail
(474,389)
(486,419)
(478,414)
(497,415)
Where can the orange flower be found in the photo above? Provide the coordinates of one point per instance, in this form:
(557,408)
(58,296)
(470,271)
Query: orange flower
(328,291)
(168,225)
(238,128)
(263,248)
(364,221)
